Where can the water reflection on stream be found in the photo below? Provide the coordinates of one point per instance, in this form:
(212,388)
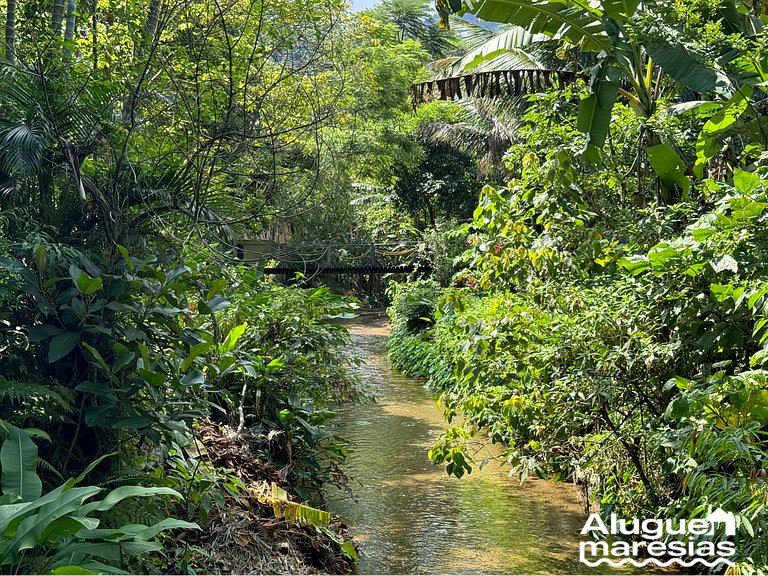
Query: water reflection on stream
(410,517)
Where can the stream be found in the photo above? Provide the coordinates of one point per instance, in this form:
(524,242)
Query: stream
(408,516)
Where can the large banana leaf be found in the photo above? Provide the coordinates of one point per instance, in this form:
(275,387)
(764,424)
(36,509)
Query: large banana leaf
(124,492)
(12,514)
(511,40)
(680,65)
(595,113)
(18,458)
(577,21)
(669,166)
(136,531)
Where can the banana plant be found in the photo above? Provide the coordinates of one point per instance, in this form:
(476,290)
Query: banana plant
(59,531)
(629,64)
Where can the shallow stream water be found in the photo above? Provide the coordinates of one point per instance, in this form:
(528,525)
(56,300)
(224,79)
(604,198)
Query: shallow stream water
(408,516)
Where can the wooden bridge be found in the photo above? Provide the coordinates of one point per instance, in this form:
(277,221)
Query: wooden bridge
(332,258)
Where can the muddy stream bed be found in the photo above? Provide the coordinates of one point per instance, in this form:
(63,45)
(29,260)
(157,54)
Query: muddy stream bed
(408,516)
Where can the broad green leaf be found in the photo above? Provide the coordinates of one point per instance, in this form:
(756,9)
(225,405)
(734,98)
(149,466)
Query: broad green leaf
(123,360)
(709,141)
(746,208)
(194,352)
(668,165)
(745,182)
(65,526)
(149,532)
(595,112)
(88,285)
(678,63)
(275,364)
(31,528)
(40,332)
(635,264)
(124,492)
(217,287)
(349,549)
(84,283)
(70,570)
(508,41)
(677,409)
(620,9)
(132,423)
(234,335)
(721,292)
(62,345)
(12,514)
(97,359)
(114,551)
(579,21)
(18,458)
(697,108)
(126,257)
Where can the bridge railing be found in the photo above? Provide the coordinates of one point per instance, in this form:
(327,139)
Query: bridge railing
(335,256)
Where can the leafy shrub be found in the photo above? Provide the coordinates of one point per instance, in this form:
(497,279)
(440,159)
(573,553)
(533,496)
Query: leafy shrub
(58,531)
(639,375)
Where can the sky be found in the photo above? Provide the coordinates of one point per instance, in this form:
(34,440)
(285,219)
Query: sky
(362,4)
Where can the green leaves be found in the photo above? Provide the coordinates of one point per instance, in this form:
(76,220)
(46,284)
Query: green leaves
(680,65)
(84,283)
(505,50)
(576,20)
(709,142)
(595,113)
(57,526)
(62,345)
(746,182)
(619,9)
(234,335)
(668,165)
(18,458)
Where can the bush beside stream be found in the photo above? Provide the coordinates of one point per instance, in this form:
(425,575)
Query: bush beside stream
(111,364)
(637,371)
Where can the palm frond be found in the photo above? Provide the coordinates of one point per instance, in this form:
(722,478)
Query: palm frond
(474,34)
(464,137)
(21,148)
(514,38)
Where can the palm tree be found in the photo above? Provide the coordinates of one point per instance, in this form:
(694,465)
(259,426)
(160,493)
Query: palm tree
(486,133)
(415,21)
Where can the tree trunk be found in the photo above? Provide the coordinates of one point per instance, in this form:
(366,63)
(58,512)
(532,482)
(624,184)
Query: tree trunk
(58,16)
(10,33)
(150,30)
(69,28)
(152,18)
(95,36)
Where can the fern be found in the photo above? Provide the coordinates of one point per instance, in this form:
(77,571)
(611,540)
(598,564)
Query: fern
(20,400)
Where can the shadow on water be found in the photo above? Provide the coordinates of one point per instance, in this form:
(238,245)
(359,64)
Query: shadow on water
(409,516)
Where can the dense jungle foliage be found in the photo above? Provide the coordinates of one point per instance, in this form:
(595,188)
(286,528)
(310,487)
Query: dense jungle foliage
(607,324)
(162,401)
(584,181)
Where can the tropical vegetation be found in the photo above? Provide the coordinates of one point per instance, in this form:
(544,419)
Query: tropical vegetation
(607,322)
(580,188)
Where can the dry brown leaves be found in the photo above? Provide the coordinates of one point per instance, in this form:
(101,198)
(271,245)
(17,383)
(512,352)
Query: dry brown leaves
(246,538)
